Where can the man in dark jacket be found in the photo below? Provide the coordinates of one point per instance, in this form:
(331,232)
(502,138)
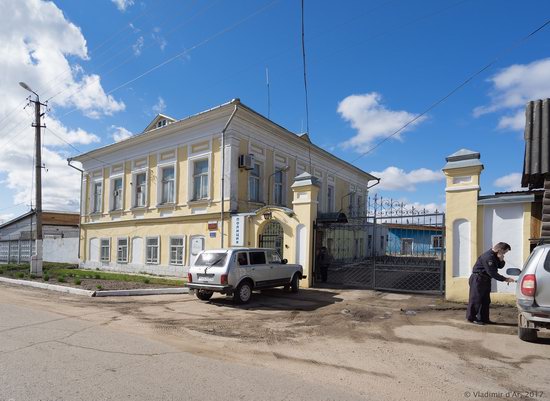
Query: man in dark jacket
(485,269)
(323,263)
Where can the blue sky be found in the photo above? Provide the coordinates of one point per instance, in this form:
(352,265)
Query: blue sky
(372,66)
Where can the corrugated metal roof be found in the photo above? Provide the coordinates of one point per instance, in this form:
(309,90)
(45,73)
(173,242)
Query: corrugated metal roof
(536,161)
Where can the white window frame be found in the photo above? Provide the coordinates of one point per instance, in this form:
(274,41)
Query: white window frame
(135,187)
(112,193)
(160,171)
(146,247)
(182,246)
(95,207)
(440,241)
(330,201)
(101,259)
(259,183)
(282,185)
(118,246)
(191,177)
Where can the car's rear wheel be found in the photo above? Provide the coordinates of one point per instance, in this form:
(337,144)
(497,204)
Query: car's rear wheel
(204,295)
(525,333)
(295,283)
(243,292)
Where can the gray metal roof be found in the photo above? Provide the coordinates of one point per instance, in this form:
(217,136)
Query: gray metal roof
(463,158)
(536,160)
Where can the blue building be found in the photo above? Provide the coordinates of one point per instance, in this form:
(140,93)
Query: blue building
(414,240)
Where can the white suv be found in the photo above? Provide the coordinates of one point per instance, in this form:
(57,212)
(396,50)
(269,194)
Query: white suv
(533,293)
(238,271)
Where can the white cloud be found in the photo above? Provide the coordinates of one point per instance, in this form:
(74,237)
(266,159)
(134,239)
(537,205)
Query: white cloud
(372,119)
(157,37)
(120,133)
(397,179)
(122,5)
(513,87)
(138,46)
(39,46)
(160,106)
(510,182)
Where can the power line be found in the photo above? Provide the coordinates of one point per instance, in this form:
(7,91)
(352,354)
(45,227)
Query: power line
(179,55)
(456,89)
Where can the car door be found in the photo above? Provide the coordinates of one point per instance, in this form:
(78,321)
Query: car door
(278,272)
(542,296)
(260,270)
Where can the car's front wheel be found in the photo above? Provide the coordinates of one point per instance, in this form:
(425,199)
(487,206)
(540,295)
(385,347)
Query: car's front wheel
(295,283)
(243,292)
(525,333)
(204,295)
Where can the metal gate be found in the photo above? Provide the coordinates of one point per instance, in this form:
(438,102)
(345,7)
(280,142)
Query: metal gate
(390,247)
(272,237)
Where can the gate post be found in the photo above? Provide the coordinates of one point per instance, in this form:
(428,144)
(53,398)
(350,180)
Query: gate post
(306,188)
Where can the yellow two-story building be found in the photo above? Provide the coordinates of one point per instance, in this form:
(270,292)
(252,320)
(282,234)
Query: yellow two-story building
(223,177)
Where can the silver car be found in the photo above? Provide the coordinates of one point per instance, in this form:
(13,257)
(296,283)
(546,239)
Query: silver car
(533,293)
(239,271)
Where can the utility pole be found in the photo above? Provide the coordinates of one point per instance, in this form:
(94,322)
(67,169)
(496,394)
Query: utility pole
(36,259)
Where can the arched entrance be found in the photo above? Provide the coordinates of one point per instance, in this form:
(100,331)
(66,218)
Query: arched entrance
(272,237)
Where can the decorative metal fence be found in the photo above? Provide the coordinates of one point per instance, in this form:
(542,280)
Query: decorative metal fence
(393,247)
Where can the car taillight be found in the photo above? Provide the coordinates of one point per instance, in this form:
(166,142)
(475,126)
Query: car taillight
(529,285)
(223,279)
(189,278)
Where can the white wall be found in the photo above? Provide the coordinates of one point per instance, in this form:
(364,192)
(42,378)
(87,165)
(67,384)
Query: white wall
(63,250)
(504,223)
(462,248)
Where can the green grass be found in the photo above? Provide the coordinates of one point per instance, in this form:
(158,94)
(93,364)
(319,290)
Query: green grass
(77,281)
(64,270)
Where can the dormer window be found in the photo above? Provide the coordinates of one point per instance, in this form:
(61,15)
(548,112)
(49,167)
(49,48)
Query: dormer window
(161,123)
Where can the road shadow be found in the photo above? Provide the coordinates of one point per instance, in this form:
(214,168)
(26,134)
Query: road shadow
(280,300)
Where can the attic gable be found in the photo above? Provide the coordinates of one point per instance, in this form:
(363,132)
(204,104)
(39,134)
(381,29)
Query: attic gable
(159,121)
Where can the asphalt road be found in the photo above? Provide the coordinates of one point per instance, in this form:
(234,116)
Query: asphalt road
(76,356)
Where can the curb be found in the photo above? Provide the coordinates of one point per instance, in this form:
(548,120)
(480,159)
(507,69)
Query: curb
(51,287)
(145,291)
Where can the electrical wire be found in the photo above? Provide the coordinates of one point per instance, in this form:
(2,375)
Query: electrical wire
(185,52)
(454,90)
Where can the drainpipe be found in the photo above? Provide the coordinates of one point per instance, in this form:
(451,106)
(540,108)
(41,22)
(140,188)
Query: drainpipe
(223,170)
(69,160)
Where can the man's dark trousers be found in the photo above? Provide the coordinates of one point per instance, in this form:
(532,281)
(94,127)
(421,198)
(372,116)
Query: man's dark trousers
(480,298)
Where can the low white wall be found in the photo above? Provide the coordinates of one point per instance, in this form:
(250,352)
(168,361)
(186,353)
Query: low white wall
(63,250)
(159,270)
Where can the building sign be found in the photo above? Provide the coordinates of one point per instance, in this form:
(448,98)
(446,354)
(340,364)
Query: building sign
(237,230)
(212,225)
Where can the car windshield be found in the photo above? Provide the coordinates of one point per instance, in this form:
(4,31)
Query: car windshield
(211,259)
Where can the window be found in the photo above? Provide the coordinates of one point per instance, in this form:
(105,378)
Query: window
(242,258)
(97,193)
(105,254)
(254,193)
(437,241)
(152,250)
(352,210)
(359,208)
(278,188)
(167,185)
(381,242)
(257,258)
(330,198)
(176,251)
(116,199)
(200,179)
(273,257)
(140,189)
(122,250)
(161,123)
(209,259)
(369,241)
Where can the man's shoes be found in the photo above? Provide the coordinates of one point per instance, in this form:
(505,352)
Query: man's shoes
(478,322)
